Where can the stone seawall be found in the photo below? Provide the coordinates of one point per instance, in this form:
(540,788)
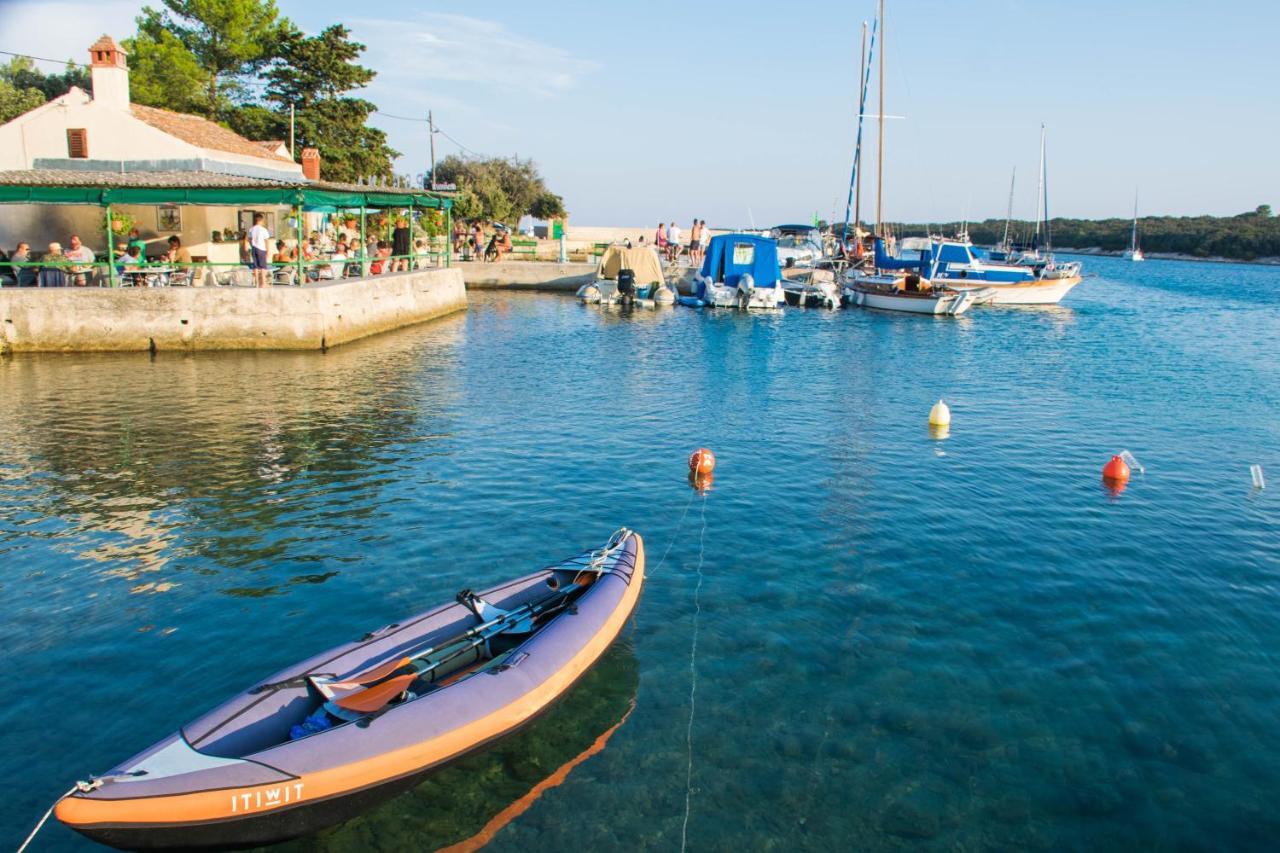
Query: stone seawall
(206,318)
(537,275)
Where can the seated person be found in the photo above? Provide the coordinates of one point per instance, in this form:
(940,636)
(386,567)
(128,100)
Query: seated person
(130,264)
(23,276)
(83,257)
(54,274)
(282,254)
(501,244)
(382,259)
(178,254)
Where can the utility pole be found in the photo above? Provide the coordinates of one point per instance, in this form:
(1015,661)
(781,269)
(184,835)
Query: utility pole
(431,126)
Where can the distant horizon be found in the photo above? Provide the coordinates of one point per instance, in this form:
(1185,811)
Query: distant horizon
(631,120)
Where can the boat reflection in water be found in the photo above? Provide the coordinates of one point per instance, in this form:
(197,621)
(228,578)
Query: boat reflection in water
(466,805)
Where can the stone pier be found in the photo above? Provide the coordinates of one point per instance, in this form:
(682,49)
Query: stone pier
(223,318)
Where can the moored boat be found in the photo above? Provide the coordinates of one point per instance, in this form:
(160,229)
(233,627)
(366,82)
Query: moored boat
(626,273)
(321,741)
(739,271)
(910,293)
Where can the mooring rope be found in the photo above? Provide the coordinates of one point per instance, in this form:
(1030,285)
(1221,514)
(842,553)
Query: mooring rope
(40,825)
(675,534)
(693,680)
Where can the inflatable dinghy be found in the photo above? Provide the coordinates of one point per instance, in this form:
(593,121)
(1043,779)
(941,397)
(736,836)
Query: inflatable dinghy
(322,741)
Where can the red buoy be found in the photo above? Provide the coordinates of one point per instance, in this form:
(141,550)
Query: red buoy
(702,461)
(1116,470)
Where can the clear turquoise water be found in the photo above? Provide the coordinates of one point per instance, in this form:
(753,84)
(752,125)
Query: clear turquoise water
(903,642)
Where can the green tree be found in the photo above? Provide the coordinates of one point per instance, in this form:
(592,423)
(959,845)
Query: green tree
(164,73)
(14,101)
(315,74)
(228,38)
(497,188)
(22,73)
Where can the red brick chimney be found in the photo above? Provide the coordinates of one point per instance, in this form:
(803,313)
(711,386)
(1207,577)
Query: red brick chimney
(311,164)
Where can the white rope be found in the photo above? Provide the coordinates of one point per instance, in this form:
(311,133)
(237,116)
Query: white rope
(693,680)
(674,534)
(40,825)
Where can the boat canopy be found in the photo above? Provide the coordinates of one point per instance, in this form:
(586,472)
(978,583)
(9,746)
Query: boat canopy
(885,261)
(641,260)
(730,256)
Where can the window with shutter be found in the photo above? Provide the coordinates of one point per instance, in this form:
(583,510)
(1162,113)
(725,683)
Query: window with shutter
(78,143)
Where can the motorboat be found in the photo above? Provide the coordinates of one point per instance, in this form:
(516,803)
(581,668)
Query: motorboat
(739,271)
(322,740)
(798,245)
(628,274)
(815,287)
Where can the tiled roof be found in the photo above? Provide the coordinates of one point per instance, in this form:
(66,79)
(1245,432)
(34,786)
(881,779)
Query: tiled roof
(106,42)
(178,180)
(203,133)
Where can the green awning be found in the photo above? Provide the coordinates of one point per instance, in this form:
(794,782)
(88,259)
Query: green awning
(285,196)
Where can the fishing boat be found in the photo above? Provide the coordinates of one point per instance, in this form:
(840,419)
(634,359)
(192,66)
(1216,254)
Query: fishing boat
(625,273)
(1135,251)
(910,293)
(739,271)
(323,740)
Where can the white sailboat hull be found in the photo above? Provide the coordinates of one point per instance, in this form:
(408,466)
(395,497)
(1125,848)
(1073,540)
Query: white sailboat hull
(1043,291)
(937,302)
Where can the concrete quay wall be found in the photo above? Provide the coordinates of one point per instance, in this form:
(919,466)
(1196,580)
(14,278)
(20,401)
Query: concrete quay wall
(230,318)
(536,275)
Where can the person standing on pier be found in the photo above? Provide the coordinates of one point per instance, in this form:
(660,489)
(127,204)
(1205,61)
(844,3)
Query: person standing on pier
(695,242)
(401,246)
(259,240)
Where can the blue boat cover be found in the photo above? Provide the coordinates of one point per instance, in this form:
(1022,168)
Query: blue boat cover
(729,256)
(885,262)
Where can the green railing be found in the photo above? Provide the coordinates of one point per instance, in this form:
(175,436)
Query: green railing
(152,273)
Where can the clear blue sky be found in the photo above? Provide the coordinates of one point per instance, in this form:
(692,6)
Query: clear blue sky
(671,110)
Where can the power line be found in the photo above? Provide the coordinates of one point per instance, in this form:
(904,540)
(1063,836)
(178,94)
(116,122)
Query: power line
(45,59)
(464,148)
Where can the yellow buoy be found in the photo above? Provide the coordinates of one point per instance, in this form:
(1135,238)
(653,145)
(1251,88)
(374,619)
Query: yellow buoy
(939,415)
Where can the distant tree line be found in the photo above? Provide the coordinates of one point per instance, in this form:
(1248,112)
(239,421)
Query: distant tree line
(1245,237)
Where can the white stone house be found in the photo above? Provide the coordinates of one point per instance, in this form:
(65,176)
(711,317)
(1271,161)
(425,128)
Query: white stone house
(103,132)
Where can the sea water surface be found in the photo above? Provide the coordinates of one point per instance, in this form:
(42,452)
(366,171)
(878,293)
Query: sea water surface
(902,642)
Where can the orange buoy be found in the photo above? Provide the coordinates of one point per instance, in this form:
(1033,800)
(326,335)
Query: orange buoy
(1116,471)
(701,483)
(702,461)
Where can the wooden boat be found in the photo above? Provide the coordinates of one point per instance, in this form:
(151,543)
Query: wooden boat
(899,293)
(323,740)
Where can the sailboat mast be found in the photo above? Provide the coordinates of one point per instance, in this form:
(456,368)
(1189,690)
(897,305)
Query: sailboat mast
(855,179)
(1008,214)
(1039,191)
(857,154)
(880,144)
(1048,229)
(1133,238)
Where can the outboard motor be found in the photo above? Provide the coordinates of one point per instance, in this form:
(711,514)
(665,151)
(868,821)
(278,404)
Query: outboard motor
(627,286)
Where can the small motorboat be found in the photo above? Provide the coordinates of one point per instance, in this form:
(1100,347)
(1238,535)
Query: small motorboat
(739,271)
(909,293)
(323,740)
(627,274)
(798,245)
(811,287)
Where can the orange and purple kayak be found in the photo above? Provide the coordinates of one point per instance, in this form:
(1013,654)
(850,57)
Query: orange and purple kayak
(325,739)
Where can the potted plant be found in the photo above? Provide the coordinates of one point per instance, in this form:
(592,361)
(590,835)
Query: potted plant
(121,223)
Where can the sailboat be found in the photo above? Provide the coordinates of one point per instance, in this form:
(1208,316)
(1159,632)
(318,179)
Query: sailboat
(1021,278)
(893,284)
(1135,251)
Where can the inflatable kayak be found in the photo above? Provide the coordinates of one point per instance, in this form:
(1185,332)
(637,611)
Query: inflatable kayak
(321,741)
